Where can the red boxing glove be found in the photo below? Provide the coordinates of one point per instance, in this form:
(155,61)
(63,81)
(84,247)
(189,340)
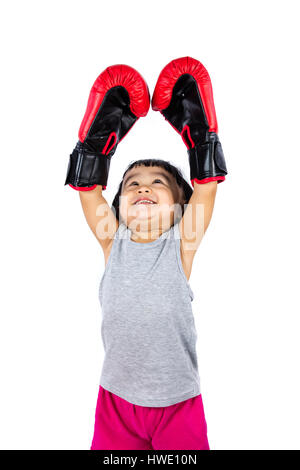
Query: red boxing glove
(183,94)
(118,98)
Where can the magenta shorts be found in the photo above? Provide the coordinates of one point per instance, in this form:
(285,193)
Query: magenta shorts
(120,425)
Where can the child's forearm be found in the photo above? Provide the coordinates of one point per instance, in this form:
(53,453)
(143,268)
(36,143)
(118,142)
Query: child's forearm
(197,216)
(207,187)
(99,216)
(205,194)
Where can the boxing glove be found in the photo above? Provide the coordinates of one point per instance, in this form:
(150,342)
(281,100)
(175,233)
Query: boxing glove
(183,94)
(118,98)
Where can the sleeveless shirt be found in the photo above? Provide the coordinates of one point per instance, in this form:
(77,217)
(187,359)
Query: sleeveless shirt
(148,329)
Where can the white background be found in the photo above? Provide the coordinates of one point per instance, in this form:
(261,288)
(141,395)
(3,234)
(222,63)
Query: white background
(246,272)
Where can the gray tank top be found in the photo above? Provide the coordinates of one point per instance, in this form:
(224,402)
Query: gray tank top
(148,328)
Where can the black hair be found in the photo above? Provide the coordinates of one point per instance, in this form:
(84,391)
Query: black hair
(175,172)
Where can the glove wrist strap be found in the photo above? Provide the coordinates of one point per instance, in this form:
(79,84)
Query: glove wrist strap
(86,168)
(207,160)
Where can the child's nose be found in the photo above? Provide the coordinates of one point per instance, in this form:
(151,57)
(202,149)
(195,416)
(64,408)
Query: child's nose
(144,188)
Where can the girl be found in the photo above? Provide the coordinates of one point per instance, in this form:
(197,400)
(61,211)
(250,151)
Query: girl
(149,395)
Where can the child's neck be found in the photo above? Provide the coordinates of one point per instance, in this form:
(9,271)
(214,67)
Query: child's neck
(147,236)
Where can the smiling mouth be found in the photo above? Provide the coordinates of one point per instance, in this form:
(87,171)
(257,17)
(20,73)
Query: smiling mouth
(144,202)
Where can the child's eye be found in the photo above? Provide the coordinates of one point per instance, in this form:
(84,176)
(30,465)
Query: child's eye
(157,179)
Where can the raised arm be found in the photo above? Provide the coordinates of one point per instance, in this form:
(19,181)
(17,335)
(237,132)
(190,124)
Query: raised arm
(196,217)
(118,98)
(99,216)
(183,94)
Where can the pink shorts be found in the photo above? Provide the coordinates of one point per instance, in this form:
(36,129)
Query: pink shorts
(120,425)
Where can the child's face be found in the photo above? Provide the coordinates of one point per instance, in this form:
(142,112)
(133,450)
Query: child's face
(154,183)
